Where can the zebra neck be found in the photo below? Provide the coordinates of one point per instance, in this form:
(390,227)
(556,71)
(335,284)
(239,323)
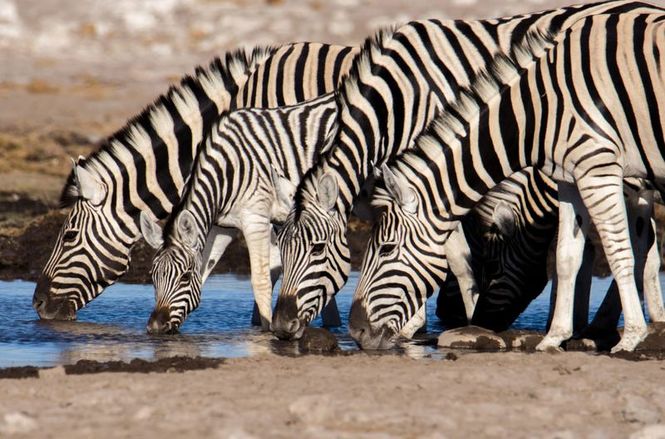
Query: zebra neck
(496,128)
(146,164)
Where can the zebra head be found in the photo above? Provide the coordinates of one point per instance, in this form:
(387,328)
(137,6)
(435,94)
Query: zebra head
(175,272)
(315,256)
(90,253)
(403,265)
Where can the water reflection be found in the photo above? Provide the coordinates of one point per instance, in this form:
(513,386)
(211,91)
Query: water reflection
(113,327)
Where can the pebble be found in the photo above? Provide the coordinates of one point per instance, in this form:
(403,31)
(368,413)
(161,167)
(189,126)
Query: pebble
(17,423)
(143,413)
(317,340)
(471,337)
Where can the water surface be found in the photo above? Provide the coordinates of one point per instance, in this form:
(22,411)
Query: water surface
(112,327)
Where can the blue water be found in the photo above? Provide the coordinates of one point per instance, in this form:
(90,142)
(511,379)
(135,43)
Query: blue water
(112,327)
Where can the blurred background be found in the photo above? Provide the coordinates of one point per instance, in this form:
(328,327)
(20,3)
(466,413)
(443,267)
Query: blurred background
(73,72)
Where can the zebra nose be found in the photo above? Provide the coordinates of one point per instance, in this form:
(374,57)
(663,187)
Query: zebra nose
(285,322)
(286,329)
(359,324)
(159,322)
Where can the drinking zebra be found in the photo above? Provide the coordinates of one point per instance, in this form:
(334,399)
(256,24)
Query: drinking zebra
(570,107)
(144,166)
(383,104)
(244,178)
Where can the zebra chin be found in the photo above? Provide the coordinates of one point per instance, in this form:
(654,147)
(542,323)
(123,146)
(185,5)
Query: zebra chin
(366,335)
(160,323)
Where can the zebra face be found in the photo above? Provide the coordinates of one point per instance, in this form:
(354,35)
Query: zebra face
(175,275)
(176,272)
(89,254)
(403,265)
(316,259)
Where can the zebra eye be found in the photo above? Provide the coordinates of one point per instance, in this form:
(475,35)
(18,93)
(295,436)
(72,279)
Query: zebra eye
(387,249)
(186,277)
(69,236)
(318,248)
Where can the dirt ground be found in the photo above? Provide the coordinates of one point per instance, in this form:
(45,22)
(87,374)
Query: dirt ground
(477,395)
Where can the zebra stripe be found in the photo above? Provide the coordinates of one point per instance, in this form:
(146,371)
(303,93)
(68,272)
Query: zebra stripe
(143,167)
(583,135)
(244,178)
(396,85)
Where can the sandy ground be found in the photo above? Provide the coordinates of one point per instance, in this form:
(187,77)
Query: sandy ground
(477,395)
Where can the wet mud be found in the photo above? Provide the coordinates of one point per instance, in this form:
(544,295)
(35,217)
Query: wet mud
(137,365)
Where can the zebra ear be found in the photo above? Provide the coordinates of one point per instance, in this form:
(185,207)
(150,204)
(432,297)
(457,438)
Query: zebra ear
(327,191)
(400,190)
(151,231)
(89,187)
(285,191)
(504,219)
(187,228)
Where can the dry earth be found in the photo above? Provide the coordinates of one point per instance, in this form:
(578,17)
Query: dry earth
(478,395)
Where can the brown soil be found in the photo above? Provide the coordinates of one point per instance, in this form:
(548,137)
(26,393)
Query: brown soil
(479,395)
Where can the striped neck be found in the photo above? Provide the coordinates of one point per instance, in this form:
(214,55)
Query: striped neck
(485,136)
(146,164)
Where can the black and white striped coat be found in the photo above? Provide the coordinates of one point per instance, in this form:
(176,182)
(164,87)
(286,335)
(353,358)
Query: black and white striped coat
(585,111)
(245,178)
(144,166)
(398,83)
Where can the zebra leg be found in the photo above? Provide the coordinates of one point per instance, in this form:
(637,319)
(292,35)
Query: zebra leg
(569,253)
(218,240)
(647,259)
(459,259)
(257,230)
(583,288)
(602,194)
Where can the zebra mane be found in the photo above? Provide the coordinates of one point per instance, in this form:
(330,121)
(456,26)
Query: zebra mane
(500,74)
(211,80)
(348,84)
(371,48)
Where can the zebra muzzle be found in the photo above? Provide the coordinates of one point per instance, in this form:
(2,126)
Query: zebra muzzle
(160,322)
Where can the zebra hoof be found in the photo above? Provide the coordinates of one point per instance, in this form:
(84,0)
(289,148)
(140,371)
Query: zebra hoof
(629,341)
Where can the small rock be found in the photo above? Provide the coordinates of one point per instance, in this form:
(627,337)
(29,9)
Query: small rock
(17,423)
(638,409)
(319,340)
(471,337)
(143,413)
(655,431)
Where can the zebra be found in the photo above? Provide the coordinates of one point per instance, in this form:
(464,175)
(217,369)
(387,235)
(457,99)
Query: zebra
(244,178)
(383,104)
(569,112)
(144,166)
